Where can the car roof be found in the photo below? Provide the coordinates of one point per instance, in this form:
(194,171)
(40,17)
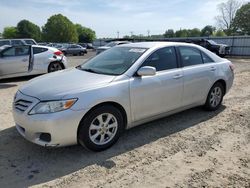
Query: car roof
(155,44)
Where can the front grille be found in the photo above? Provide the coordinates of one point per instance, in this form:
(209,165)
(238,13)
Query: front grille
(22,105)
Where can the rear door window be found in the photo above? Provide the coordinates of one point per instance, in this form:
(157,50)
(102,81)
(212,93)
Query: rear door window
(37,50)
(190,56)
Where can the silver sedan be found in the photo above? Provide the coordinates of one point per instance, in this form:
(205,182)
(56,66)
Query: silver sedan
(122,87)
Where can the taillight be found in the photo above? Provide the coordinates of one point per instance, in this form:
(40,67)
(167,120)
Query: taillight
(58,53)
(231,66)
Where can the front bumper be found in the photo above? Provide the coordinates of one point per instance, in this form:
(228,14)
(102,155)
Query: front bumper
(60,127)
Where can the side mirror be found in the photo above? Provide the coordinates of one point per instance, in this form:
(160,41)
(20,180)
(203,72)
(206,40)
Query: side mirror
(146,71)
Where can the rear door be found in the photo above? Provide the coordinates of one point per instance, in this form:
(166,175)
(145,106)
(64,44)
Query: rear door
(14,60)
(198,74)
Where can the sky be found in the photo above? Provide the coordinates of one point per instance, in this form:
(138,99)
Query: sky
(107,17)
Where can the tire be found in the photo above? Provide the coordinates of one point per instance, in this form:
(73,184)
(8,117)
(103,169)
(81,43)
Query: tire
(215,97)
(55,66)
(93,131)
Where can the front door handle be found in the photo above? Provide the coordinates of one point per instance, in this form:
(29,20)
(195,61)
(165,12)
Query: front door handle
(24,60)
(177,76)
(212,68)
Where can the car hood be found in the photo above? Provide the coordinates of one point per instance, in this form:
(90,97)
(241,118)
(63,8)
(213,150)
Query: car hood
(57,85)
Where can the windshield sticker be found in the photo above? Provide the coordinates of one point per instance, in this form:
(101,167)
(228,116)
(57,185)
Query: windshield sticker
(137,50)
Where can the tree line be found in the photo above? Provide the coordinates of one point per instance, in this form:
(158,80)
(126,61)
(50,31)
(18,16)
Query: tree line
(57,29)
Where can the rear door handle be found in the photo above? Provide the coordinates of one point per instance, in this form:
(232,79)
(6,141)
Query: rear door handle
(177,76)
(212,68)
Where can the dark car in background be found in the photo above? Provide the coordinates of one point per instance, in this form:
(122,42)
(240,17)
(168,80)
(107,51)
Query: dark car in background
(220,49)
(73,49)
(89,46)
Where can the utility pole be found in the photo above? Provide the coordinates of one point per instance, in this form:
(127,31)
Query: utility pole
(118,34)
(148,33)
(131,32)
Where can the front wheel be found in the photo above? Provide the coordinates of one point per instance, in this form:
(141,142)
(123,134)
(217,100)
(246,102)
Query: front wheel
(101,128)
(55,66)
(215,97)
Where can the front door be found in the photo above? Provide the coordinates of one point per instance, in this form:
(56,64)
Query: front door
(153,95)
(14,60)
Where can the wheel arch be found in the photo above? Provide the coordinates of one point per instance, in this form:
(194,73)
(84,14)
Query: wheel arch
(108,103)
(55,62)
(224,84)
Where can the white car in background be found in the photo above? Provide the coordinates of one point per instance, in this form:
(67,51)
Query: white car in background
(27,60)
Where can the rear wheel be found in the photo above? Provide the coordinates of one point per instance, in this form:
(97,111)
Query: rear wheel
(215,97)
(101,128)
(55,66)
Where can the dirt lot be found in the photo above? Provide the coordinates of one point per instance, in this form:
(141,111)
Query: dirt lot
(190,149)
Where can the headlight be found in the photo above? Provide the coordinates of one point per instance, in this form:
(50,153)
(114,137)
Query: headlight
(52,106)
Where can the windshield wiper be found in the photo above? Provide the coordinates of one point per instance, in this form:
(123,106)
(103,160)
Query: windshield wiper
(90,70)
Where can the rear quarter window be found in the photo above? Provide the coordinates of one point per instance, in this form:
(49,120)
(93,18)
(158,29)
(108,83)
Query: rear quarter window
(206,58)
(38,50)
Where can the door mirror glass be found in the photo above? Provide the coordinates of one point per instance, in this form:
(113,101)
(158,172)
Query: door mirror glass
(146,71)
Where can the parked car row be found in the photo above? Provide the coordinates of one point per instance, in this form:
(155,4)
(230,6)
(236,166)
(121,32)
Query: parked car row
(16,42)
(26,60)
(69,48)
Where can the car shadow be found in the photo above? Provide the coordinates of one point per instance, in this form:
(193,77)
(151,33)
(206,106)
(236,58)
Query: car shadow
(6,86)
(24,164)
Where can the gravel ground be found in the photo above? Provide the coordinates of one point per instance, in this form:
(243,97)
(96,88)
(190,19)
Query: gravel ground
(194,148)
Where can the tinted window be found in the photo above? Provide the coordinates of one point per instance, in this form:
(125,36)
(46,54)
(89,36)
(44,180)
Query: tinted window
(16,42)
(162,59)
(190,56)
(4,42)
(206,58)
(9,52)
(17,51)
(37,50)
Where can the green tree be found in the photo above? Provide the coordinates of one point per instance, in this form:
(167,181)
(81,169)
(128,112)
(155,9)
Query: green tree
(85,34)
(10,32)
(241,23)
(59,29)
(169,33)
(207,31)
(27,29)
(182,33)
(194,32)
(220,33)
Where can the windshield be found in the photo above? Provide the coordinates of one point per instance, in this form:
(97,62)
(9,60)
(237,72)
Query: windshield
(114,61)
(212,42)
(111,44)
